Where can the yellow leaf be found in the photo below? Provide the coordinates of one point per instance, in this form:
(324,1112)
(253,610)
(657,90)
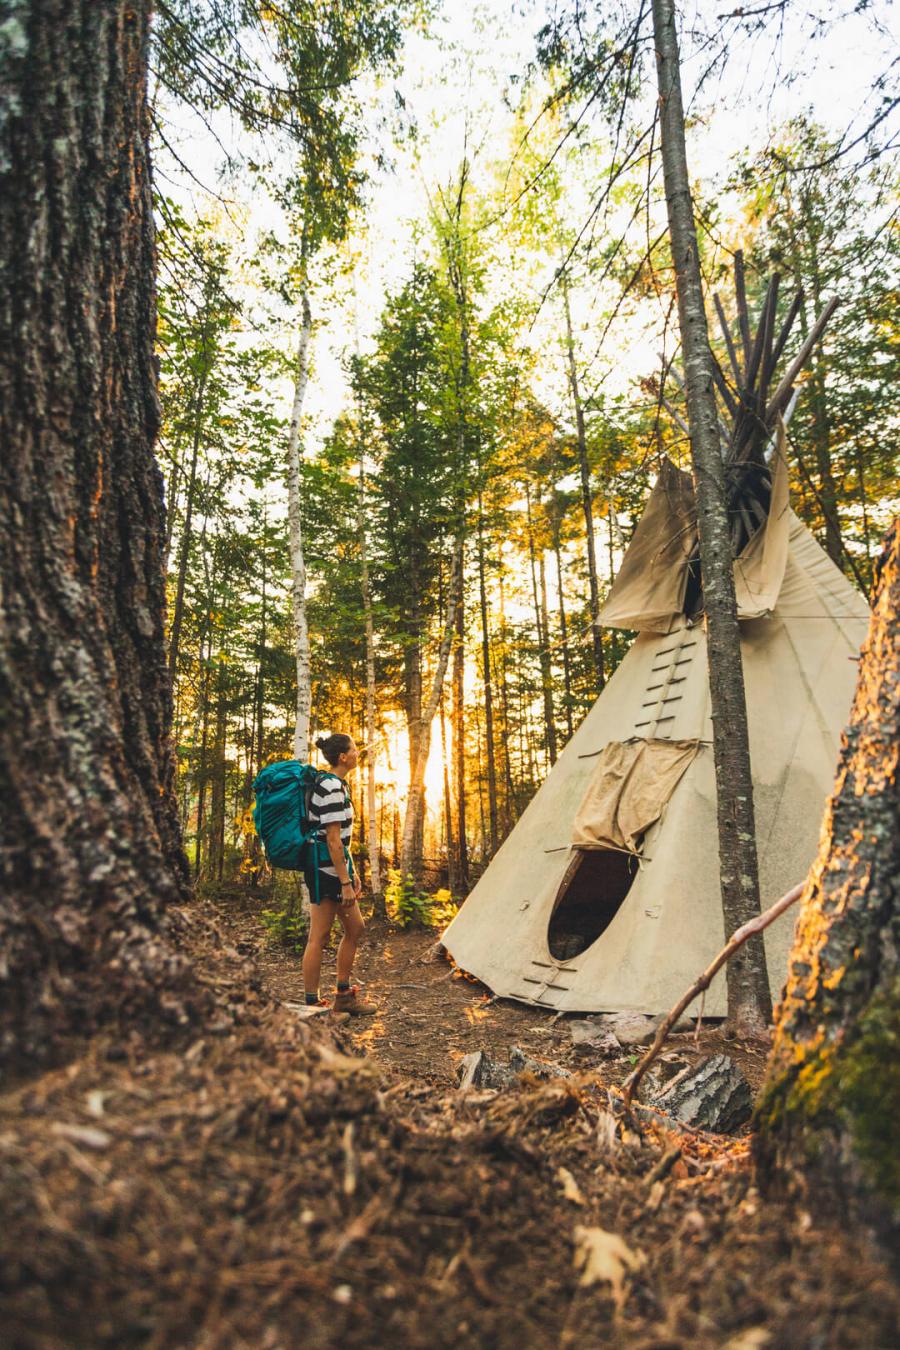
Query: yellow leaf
(602,1256)
(337,1063)
(570,1186)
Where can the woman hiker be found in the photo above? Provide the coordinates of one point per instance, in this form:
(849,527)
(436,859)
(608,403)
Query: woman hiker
(333,887)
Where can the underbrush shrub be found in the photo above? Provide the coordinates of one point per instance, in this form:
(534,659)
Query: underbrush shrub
(407,907)
(285,923)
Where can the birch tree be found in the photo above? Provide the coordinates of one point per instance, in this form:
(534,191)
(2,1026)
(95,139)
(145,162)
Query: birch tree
(371,757)
(298,564)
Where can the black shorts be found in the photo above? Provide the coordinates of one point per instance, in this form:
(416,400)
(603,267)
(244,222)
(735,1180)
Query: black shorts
(321,886)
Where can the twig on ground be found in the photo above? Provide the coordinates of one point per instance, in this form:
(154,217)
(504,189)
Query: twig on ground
(664,1166)
(704,981)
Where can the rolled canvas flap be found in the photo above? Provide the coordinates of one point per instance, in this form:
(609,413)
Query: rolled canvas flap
(649,589)
(628,791)
(759,571)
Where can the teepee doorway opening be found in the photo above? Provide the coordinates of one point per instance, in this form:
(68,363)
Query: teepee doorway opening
(590,895)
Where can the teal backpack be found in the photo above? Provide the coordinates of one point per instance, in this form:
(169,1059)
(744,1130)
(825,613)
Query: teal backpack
(284,821)
(282,814)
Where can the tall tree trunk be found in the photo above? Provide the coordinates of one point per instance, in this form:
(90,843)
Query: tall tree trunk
(202,761)
(832,1097)
(487,686)
(216,849)
(749,1002)
(547,664)
(170,501)
(564,638)
(298,565)
(260,670)
(584,470)
(826,492)
(510,807)
(371,758)
(452,884)
(416,800)
(540,623)
(90,846)
(412,662)
(459,745)
(185,543)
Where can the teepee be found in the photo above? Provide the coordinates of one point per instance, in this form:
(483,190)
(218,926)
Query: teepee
(606,895)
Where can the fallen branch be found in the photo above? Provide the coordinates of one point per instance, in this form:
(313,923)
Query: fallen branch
(737,940)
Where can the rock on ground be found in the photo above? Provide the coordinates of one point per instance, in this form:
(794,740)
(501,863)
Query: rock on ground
(478,1069)
(712,1095)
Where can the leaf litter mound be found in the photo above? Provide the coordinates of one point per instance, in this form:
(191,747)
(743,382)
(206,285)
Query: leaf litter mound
(258,1182)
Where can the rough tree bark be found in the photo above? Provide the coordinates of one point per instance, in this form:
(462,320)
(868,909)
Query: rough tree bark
(90,847)
(749,1002)
(828,1113)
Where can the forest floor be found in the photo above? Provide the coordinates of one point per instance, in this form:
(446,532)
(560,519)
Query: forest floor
(269,1181)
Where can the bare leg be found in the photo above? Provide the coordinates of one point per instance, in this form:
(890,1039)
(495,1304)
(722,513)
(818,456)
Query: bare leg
(354,927)
(321,917)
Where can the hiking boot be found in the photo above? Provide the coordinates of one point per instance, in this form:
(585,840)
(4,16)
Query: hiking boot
(349,1001)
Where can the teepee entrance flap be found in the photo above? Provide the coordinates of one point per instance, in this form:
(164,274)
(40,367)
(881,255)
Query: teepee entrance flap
(628,791)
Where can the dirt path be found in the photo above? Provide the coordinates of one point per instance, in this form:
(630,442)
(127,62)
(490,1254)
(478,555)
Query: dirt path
(258,1182)
(431,1015)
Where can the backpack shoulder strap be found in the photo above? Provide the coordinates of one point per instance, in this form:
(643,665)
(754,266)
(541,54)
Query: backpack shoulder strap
(313,781)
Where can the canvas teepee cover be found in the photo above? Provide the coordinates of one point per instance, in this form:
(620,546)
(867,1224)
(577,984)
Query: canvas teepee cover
(606,894)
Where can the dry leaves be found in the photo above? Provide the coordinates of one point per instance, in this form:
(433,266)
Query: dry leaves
(570,1186)
(604,1257)
(86,1135)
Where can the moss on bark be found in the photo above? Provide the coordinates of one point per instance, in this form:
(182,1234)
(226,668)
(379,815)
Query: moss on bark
(830,1107)
(846,1097)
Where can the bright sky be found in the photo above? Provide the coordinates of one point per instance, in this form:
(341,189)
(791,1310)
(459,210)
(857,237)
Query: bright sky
(463,76)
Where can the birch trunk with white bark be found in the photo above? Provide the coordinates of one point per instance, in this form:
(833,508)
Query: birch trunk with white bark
(298,565)
(374,858)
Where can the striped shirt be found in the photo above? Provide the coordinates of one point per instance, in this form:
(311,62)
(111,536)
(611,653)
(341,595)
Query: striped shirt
(330,804)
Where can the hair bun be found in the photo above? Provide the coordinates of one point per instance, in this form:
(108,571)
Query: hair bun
(321,743)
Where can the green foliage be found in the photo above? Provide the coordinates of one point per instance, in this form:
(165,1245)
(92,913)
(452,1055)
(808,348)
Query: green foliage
(831,230)
(410,908)
(286,926)
(460,418)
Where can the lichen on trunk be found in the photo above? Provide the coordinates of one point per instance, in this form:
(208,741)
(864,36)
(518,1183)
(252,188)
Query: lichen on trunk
(90,847)
(828,1113)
